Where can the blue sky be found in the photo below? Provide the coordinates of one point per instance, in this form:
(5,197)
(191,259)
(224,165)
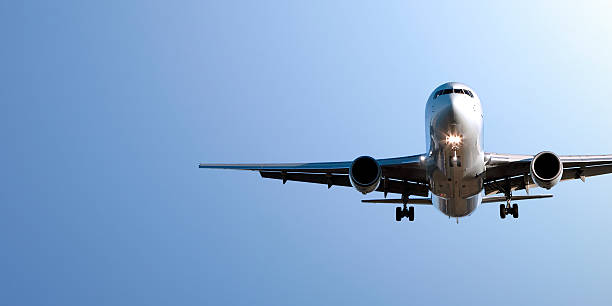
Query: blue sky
(109,106)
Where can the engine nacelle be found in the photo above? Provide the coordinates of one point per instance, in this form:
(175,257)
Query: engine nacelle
(365,174)
(546,169)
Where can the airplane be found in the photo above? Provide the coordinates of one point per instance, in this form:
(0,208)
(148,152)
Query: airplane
(455,174)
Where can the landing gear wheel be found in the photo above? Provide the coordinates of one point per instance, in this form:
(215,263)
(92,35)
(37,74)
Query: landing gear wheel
(411,213)
(515,210)
(399,214)
(502,211)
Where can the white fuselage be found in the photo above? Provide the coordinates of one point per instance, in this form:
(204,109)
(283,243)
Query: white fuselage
(455,160)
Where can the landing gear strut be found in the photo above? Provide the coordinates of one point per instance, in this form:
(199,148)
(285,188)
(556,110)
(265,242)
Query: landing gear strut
(505,210)
(404,212)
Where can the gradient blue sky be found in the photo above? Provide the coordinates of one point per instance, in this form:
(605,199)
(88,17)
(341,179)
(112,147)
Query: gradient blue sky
(109,105)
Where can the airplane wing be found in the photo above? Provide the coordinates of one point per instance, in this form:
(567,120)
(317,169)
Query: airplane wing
(512,171)
(401,175)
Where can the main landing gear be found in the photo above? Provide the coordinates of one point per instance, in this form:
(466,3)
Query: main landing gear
(404,212)
(506,209)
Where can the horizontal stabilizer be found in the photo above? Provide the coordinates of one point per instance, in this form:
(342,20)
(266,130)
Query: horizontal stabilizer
(516,198)
(425,201)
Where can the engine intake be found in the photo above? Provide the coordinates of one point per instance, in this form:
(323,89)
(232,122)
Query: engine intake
(546,169)
(365,174)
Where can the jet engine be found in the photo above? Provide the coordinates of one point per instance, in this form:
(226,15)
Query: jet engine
(546,169)
(365,174)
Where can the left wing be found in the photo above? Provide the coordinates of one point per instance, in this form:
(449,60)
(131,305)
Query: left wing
(511,171)
(401,175)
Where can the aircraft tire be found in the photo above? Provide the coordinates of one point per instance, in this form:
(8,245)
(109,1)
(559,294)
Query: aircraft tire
(399,214)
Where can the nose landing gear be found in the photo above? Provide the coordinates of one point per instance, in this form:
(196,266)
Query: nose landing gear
(404,212)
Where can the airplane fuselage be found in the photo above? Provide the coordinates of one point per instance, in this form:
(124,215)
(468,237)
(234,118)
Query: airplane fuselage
(455,163)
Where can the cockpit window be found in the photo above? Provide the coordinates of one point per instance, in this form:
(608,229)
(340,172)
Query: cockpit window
(455,90)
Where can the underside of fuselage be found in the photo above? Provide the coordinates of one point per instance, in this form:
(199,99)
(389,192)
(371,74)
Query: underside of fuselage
(455,164)
(457,207)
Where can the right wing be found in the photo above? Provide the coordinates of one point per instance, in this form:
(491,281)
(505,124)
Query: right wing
(512,170)
(401,175)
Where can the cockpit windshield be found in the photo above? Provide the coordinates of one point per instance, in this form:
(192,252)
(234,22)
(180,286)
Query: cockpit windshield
(442,92)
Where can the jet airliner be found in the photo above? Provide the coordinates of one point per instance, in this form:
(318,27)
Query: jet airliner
(455,174)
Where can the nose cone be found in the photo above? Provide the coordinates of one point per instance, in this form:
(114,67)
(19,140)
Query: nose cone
(459,108)
(451,109)
(453,115)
